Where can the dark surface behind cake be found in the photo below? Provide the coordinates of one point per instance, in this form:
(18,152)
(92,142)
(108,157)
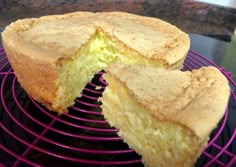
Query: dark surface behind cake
(190,16)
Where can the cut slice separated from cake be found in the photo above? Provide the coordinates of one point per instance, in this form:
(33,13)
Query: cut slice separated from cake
(55,56)
(165,116)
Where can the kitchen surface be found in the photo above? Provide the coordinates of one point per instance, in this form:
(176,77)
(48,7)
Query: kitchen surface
(212,29)
(190,16)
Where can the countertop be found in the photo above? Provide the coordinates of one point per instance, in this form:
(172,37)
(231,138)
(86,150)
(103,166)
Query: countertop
(220,52)
(190,16)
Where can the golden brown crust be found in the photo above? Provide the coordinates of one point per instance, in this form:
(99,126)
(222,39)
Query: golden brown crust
(33,74)
(194,99)
(62,35)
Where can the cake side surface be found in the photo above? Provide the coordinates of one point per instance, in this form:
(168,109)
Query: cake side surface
(32,75)
(164,136)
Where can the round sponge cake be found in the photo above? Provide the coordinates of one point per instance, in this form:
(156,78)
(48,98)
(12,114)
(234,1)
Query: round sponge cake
(55,56)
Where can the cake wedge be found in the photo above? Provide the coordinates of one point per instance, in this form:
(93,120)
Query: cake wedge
(165,116)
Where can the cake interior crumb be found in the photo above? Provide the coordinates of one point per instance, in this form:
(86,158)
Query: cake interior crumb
(161,139)
(100,51)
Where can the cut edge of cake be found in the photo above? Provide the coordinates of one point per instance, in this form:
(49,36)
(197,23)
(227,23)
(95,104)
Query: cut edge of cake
(164,135)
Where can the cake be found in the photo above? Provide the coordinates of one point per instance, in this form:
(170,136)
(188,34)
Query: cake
(54,56)
(165,116)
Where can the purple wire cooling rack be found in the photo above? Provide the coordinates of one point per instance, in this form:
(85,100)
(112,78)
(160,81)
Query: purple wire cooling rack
(32,136)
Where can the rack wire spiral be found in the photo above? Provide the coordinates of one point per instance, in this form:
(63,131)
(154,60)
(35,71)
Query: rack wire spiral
(30,135)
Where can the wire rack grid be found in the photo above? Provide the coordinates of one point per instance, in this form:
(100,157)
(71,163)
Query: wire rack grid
(30,135)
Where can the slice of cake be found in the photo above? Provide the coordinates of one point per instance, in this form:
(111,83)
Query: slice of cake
(55,56)
(165,116)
